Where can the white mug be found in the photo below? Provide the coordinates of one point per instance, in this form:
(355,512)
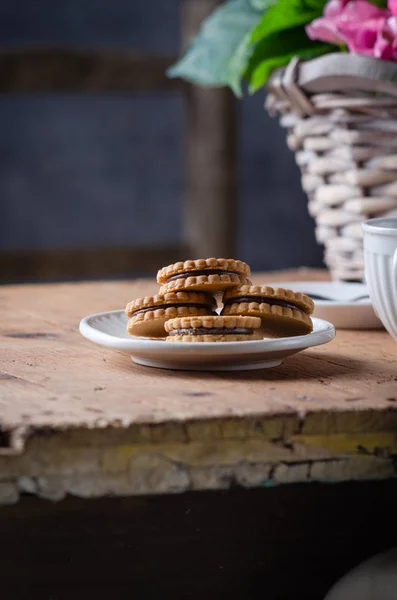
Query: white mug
(380,259)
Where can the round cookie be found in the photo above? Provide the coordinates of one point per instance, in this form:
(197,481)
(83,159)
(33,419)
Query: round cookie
(209,275)
(283,312)
(213,329)
(147,316)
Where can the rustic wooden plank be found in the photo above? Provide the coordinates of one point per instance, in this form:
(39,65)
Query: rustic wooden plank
(338,375)
(86,262)
(53,69)
(211,156)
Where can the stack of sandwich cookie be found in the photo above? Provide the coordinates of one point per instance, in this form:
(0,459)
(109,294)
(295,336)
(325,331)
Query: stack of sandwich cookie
(147,316)
(184,309)
(213,329)
(211,275)
(283,312)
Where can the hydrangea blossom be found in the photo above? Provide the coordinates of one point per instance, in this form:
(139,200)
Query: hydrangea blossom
(360,25)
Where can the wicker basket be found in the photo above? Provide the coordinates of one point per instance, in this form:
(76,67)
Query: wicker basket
(341,115)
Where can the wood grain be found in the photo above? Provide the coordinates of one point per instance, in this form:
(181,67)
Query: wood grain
(210,207)
(55,69)
(148,430)
(85,262)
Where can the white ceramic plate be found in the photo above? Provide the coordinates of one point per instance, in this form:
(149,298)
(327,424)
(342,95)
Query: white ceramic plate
(109,329)
(346,305)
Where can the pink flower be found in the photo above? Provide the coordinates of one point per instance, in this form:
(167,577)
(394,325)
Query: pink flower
(385,46)
(361,37)
(362,10)
(362,26)
(334,8)
(326,28)
(392,6)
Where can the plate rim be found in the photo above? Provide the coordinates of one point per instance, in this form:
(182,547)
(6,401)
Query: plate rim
(315,338)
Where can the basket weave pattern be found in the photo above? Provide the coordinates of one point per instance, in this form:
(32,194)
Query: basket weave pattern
(347,152)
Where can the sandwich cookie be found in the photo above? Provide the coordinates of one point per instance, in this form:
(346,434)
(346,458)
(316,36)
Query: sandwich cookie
(147,316)
(213,329)
(283,312)
(208,275)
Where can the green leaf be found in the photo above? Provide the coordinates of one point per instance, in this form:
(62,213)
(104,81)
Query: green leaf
(220,53)
(266,68)
(286,14)
(261,5)
(278,54)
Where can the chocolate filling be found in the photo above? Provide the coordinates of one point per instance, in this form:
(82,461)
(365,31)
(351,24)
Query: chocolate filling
(212,331)
(184,305)
(260,299)
(204,272)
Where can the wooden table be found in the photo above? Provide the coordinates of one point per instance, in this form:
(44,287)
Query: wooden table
(81,421)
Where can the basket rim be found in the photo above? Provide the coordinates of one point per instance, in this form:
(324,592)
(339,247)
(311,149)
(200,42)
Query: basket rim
(339,72)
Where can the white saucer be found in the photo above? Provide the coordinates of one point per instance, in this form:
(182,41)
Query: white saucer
(109,329)
(342,308)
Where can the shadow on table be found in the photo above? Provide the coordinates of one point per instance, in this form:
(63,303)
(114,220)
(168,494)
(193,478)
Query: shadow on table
(307,366)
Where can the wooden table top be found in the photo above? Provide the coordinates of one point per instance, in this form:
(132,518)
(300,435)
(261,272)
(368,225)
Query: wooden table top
(78,418)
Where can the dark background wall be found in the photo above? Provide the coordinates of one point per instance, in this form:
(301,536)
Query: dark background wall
(108,169)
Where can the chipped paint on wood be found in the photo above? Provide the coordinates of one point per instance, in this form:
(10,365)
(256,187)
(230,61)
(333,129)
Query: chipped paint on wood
(378,444)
